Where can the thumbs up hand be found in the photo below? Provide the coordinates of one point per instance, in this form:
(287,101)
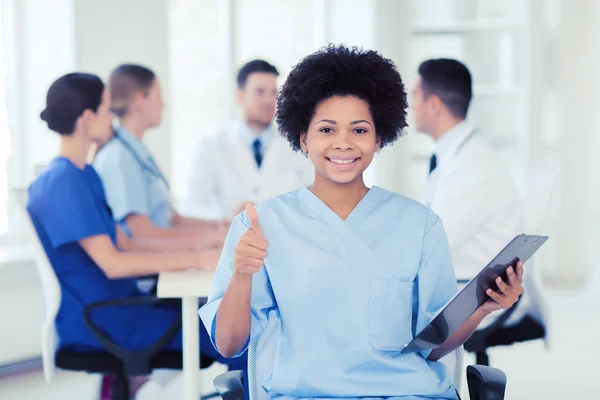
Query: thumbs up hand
(251,250)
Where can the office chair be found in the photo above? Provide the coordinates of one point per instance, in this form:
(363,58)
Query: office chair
(485,383)
(540,207)
(115,361)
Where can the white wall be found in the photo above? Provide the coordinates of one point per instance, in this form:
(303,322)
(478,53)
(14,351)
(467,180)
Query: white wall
(196,74)
(280,32)
(564,122)
(577,59)
(210,41)
(45,52)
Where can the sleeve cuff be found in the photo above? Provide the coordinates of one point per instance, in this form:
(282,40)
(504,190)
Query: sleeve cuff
(73,237)
(425,353)
(208,315)
(122,214)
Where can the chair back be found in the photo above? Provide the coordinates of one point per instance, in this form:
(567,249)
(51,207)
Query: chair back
(261,359)
(540,209)
(454,364)
(50,286)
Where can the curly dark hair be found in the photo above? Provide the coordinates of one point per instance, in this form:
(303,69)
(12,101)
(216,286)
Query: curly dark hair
(342,71)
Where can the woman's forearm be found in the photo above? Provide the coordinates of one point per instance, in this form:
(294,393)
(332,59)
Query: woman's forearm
(144,228)
(132,263)
(181,222)
(124,264)
(165,244)
(128,264)
(141,227)
(233,316)
(459,337)
(152,244)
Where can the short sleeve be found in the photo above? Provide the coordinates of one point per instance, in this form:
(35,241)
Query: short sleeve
(262,299)
(70,212)
(124,182)
(436,283)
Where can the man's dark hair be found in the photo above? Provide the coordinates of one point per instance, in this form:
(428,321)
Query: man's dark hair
(253,67)
(450,80)
(342,71)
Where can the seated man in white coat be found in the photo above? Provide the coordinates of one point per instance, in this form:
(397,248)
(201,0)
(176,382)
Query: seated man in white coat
(468,186)
(248,161)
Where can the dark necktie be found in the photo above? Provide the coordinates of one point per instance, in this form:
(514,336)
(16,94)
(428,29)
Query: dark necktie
(432,163)
(257,149)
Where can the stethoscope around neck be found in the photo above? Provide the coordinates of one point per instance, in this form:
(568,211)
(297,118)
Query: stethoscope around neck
(143,164)
(466,140)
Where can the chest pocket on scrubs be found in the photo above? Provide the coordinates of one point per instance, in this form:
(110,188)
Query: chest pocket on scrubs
(390,313)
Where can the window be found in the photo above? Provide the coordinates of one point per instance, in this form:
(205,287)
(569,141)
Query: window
(195,79)
(34,50)
(208,42)
(281,32)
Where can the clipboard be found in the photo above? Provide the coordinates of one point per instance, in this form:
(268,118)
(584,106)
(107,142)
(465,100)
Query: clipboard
(473,295)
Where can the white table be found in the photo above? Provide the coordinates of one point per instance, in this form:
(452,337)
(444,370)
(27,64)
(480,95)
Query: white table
(189,286)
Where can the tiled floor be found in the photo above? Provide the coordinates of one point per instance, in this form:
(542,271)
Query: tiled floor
(67,385)
(567,371)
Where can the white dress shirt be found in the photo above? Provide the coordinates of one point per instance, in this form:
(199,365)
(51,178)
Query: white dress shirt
(473,192)
(223,173)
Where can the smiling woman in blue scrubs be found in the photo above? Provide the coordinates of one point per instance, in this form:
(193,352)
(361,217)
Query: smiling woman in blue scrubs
(76,227)
(353,272)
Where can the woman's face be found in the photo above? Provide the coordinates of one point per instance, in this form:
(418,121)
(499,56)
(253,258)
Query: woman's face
(100,124)
(151,105)
(341,139)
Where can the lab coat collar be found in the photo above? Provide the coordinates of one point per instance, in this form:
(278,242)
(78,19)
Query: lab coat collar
(448,144)
(249,136)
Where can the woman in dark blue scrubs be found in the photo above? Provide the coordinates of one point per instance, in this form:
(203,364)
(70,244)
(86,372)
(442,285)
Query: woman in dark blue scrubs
(68,206)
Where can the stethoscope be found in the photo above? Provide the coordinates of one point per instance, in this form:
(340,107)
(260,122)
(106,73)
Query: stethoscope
(152,169)
(465,141)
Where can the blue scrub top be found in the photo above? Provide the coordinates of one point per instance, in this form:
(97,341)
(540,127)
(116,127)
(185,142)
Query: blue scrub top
(350,294)
(134,184)
(68,204)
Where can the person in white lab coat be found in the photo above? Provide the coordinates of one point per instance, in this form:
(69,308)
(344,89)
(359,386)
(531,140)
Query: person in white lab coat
(468,185)
(248,161)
